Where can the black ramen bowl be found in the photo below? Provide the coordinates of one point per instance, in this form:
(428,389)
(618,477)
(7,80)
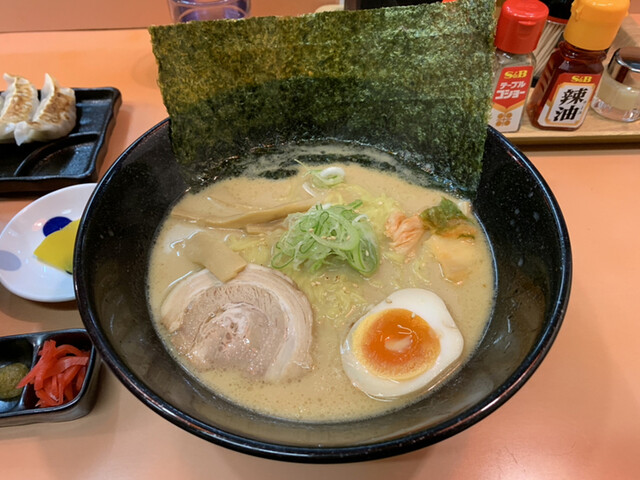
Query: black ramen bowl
(532,256)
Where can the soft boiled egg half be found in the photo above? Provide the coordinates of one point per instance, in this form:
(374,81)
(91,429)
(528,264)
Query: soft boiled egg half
(401,345)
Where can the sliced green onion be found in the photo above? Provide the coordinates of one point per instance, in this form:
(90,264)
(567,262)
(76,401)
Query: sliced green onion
(328,177)
(326,234)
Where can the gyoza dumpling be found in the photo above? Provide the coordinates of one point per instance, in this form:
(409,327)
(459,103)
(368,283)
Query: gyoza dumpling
(55,117)
(20,101)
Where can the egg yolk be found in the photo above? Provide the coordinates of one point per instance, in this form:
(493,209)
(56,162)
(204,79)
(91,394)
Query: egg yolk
(396,344)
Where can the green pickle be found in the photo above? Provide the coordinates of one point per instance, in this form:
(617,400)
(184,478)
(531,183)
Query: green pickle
(10,375)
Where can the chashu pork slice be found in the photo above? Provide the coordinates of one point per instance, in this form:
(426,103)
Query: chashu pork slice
(259,323)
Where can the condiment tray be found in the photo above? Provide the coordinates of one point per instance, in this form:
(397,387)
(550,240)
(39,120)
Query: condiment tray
(46,166)
(22,410)
(21,272)
(595,129)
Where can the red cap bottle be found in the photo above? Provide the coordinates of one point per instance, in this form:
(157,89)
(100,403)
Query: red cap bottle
(520,25)
(519,28)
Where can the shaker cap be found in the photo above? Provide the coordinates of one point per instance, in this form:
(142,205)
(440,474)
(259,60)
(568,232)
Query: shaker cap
(624,66)
(520,25)
(594,24)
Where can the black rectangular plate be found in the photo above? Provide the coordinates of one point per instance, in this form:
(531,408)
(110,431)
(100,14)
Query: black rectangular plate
(75,158)
(22,410)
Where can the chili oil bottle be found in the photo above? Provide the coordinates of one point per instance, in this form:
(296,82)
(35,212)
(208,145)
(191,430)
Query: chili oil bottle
(561,98)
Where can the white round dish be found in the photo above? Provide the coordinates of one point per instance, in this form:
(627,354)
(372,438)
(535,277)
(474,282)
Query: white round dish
(20,271)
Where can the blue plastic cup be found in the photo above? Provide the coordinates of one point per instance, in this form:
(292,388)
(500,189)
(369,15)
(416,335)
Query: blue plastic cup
(189,10)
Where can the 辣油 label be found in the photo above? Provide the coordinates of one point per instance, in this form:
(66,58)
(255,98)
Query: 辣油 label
(568,104)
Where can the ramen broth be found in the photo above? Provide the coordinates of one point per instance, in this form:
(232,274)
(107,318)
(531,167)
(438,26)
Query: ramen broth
(338,294)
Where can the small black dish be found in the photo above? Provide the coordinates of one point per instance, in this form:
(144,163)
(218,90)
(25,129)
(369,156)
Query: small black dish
(47,166)
(22,410)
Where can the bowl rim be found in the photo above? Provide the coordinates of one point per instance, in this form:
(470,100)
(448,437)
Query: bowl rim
(341,454)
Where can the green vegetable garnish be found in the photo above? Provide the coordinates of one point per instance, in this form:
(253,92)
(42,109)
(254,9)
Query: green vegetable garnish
(10,376)
(325,234)
(328,177)
(447,218)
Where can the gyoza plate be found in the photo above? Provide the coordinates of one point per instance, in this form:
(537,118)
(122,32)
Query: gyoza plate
(70,160)
(20,271)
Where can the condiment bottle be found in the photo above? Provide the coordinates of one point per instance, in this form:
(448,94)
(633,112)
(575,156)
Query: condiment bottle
(520,25)
(618,95)
(559,13)
(561,98)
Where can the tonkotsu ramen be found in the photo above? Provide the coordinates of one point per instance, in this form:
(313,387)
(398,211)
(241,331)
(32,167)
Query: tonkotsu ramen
(324,284)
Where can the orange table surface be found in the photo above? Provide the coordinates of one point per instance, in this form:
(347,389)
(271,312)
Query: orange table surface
(578,417)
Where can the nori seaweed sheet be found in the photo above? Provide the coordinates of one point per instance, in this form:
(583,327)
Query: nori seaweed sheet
(411,80)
